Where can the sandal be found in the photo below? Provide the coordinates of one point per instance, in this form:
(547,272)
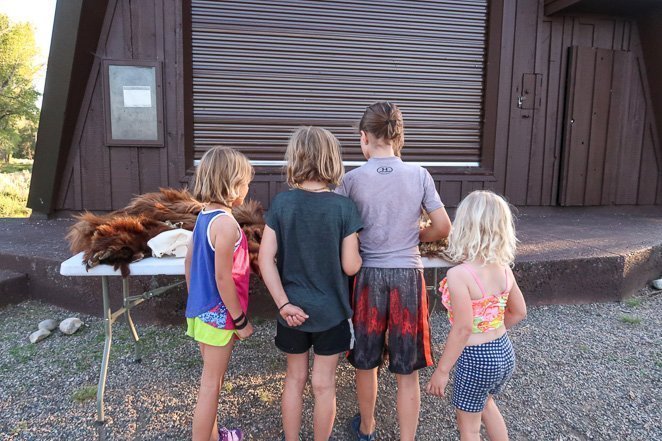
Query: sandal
(230,434)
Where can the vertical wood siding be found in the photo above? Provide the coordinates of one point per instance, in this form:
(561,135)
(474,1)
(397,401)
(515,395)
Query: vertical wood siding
(99,177)
(528,144)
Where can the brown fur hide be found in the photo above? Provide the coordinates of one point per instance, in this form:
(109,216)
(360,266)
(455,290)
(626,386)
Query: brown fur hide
(120,237)
(432,249)
(250,216)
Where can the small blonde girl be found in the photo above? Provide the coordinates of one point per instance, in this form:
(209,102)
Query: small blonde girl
(217,275)
(483,300)
(308,249)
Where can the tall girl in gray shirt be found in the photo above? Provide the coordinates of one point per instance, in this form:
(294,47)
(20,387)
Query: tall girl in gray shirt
(389,290)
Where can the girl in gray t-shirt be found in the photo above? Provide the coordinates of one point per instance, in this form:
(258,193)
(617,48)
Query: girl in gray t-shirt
(389,290)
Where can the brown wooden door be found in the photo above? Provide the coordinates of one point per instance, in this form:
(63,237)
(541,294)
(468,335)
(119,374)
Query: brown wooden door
(601,122)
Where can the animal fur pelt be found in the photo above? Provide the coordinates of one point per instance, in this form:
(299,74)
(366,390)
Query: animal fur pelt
(250,216)
(167,205)
(120,237)
(432,249)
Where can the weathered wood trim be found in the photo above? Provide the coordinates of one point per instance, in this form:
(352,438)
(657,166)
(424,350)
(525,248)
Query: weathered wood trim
(554,6)
(49,149)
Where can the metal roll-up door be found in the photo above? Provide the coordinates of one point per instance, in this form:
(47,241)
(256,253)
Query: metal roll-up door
(261,68)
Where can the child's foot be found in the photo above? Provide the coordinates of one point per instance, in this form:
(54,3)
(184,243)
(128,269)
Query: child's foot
(356,427)
(230,434)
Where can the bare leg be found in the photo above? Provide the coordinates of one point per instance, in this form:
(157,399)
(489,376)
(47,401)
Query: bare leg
(292,400)
(215,363)
(366,392)
(324,389)
(494,423)
(469,425)
(409,405)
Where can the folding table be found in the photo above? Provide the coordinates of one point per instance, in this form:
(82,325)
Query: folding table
(151,266)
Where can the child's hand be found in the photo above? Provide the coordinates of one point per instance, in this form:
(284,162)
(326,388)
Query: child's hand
(293,315)
(437,384)
(245,332)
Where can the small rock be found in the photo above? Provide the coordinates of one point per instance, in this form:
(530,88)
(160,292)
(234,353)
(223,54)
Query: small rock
(48,325)
(70,325)
(39,335)
(657,284)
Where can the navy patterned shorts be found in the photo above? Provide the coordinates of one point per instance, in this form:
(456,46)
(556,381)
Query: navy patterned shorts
(480,371)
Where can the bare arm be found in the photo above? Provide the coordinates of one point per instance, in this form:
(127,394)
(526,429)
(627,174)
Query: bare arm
(293,315)
(516,306)
(440,226)
(224,240)
(458,335)
(349,255)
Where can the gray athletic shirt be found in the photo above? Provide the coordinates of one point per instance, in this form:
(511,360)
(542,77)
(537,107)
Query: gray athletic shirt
(389,194)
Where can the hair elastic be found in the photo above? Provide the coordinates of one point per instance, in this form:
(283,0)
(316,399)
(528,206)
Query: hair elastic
(241,326)
(284,305)
(239,319)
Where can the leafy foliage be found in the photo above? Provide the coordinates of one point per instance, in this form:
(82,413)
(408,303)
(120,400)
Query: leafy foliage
(19,113)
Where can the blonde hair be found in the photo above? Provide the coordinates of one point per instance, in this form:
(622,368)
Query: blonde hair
(483,229)
(220,172)
(313,153)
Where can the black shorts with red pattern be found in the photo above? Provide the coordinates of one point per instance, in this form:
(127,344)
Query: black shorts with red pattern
(393,300)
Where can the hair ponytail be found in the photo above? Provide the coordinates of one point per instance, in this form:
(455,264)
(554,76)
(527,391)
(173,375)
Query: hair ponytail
(384,120)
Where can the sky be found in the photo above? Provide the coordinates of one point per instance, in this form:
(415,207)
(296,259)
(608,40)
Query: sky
(40,14)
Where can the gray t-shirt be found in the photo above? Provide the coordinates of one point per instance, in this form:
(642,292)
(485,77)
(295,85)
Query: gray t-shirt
(310,229)
(389,194)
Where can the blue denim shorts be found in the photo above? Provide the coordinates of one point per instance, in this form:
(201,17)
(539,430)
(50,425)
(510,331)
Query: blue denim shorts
(480,371)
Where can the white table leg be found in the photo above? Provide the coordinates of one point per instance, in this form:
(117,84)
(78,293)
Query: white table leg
(134,333)
(108,330)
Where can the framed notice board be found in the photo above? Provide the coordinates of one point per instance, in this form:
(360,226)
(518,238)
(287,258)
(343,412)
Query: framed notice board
(133,103)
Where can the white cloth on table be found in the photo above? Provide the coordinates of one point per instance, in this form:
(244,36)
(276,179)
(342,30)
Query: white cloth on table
(170,243)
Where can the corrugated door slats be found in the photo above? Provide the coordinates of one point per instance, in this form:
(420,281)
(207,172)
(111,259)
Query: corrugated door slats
(261,68)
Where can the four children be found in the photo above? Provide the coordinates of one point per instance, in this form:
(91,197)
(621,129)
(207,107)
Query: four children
(311,245)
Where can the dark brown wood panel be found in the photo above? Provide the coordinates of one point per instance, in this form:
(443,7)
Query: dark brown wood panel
(521,120)
(450,192)
(602,89)
(633,137)
(527,142)
(588,108)
(104,177)
(650,166)
(616,123)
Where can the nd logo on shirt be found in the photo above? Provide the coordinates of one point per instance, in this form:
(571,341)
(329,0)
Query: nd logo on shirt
(384,170)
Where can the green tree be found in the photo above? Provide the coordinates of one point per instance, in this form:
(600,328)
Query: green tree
(18,98)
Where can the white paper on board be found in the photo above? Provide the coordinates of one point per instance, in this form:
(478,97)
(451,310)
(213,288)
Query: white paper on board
(137,96)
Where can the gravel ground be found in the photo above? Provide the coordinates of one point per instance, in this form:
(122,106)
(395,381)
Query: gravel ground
(589,372)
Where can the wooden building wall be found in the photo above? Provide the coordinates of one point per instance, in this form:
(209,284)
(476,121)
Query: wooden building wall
(527,140)
(528,144)
(99,177)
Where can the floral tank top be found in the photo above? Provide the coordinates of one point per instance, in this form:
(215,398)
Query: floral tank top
(488,311)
